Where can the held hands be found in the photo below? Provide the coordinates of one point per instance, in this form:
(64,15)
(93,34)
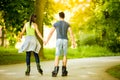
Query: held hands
(74,45)
(19,37)
(45,42)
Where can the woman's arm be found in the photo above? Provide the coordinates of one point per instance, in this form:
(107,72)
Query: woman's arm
(37,31)
(23,30)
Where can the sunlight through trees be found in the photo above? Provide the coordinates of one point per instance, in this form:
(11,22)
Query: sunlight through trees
(97,20)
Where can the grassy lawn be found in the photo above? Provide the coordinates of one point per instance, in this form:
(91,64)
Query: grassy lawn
(82,52)
(115,71)
(10,55)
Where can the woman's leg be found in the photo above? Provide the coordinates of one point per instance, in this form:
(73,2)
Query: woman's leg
(36,57)
(38,63)
(28,55)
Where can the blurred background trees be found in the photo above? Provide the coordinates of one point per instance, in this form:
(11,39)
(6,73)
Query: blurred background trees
(93,21)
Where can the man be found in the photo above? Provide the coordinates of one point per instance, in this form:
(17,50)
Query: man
(61,27)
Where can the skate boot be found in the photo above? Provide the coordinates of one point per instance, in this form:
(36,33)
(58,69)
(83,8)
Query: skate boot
(55,72)
(27,72)
(64,71)
(39,69)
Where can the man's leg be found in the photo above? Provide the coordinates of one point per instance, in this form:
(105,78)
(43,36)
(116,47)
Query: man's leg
(56,64)
(56,60)
(56,68)
(64,71)
(65,46)
(64,60)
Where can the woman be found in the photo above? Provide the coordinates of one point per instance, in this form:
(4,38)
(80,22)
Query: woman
(31,43)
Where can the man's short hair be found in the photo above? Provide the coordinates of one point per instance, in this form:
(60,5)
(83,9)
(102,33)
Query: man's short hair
(62,15)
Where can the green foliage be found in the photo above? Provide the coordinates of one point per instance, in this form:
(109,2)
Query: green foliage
(114,29)
(16,12)
(86,39)
(114,71)
(1,19)
(101,17)
(49,12)
(104,21)
(10,55)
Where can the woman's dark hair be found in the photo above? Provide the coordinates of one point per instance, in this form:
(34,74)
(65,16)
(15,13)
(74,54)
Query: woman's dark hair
(62,15)
(32,18)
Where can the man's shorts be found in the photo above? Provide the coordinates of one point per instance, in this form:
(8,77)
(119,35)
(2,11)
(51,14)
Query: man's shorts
(61,47)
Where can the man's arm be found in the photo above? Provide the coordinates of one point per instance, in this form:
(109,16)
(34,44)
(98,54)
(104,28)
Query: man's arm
(72,37)
(50,34)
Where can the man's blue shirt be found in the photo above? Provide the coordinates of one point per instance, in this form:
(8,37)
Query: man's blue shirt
(61,29)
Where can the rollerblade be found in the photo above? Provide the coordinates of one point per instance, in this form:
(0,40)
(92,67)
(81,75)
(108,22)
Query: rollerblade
(64,71)
(39,69)
(27,72)
(55,72)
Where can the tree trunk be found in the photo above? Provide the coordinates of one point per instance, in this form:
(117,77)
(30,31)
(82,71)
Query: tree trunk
(39,5)
(2,37)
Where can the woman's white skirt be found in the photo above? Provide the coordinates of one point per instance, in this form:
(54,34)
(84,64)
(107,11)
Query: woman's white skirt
(30,44)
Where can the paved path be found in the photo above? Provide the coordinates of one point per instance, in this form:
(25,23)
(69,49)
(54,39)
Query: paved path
(79,69)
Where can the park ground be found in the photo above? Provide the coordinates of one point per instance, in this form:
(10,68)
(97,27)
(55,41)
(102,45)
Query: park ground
(79,69)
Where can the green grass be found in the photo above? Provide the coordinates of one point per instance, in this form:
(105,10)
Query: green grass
(94,51)
(115,71)
(10,55)
(82,52)
(49,53)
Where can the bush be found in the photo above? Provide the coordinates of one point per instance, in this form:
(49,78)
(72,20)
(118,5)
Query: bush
(88,40)
(115,46)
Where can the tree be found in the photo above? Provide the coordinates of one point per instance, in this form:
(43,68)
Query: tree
(40,6)
(107,23)
(15,12)
(98,16)
(2,31)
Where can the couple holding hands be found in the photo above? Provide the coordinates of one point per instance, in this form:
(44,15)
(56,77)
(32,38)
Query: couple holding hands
(31,44)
